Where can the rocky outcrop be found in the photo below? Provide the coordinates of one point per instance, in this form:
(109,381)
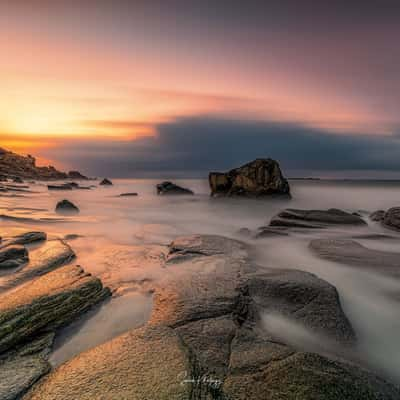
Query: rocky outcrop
(352,253)
(169,188)
(314,219)
(29,318)
(206,338)
(377,216)
(105,182)
(17,167)
(261,177)
(28,238)
(13,256)
(49,256)
(391,218)
(66,207)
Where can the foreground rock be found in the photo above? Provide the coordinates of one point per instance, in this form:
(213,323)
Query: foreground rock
(261,177)
(66,207)
(29,318)
(13,256)
(314,219)
(105,182)
(51,255)
(18,167)
(166,188)
(206,338)
(352,253)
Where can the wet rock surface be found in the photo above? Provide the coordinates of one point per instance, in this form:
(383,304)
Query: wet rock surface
(352,253)
(314,219)
(13,256)
(51,255)
(206,339)
(34,304)
(261,177)
(169,188)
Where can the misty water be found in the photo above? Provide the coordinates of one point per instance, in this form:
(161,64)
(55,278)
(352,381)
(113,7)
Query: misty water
(123,240)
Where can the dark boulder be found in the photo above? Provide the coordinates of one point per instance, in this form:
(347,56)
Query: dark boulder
(166,188)
(65,206)
(106,182)
(314,219)
(17,179)
(261,177)
(29,237)
(13,256)
(391,219)
(377,216)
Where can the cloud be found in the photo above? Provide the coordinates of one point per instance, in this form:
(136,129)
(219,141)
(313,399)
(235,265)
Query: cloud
(193,146)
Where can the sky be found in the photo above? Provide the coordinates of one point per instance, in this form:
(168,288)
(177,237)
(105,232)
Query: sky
(181,87)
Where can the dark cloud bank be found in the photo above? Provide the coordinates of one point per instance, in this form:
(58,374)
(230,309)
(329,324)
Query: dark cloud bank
(191,147)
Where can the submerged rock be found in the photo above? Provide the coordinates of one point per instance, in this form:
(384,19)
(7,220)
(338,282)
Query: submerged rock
(105,182)
(206,338)
(261,177)
(314,219)
(66,207)
(13,256)
(352,253)
(166,188)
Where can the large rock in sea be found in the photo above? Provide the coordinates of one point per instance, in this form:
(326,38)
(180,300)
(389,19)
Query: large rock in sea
(207,338)
(261,177)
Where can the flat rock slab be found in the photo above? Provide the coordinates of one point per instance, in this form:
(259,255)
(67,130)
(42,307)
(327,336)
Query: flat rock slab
(143,364)
(205,339)
(51,255)
(18,374)
(315,219)
(46,303)
(352,253)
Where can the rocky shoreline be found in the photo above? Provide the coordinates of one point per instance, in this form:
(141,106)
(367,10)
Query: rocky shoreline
(206,337)
(17,168)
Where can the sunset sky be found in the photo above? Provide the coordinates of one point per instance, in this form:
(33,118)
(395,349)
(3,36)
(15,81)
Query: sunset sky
(132,88)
